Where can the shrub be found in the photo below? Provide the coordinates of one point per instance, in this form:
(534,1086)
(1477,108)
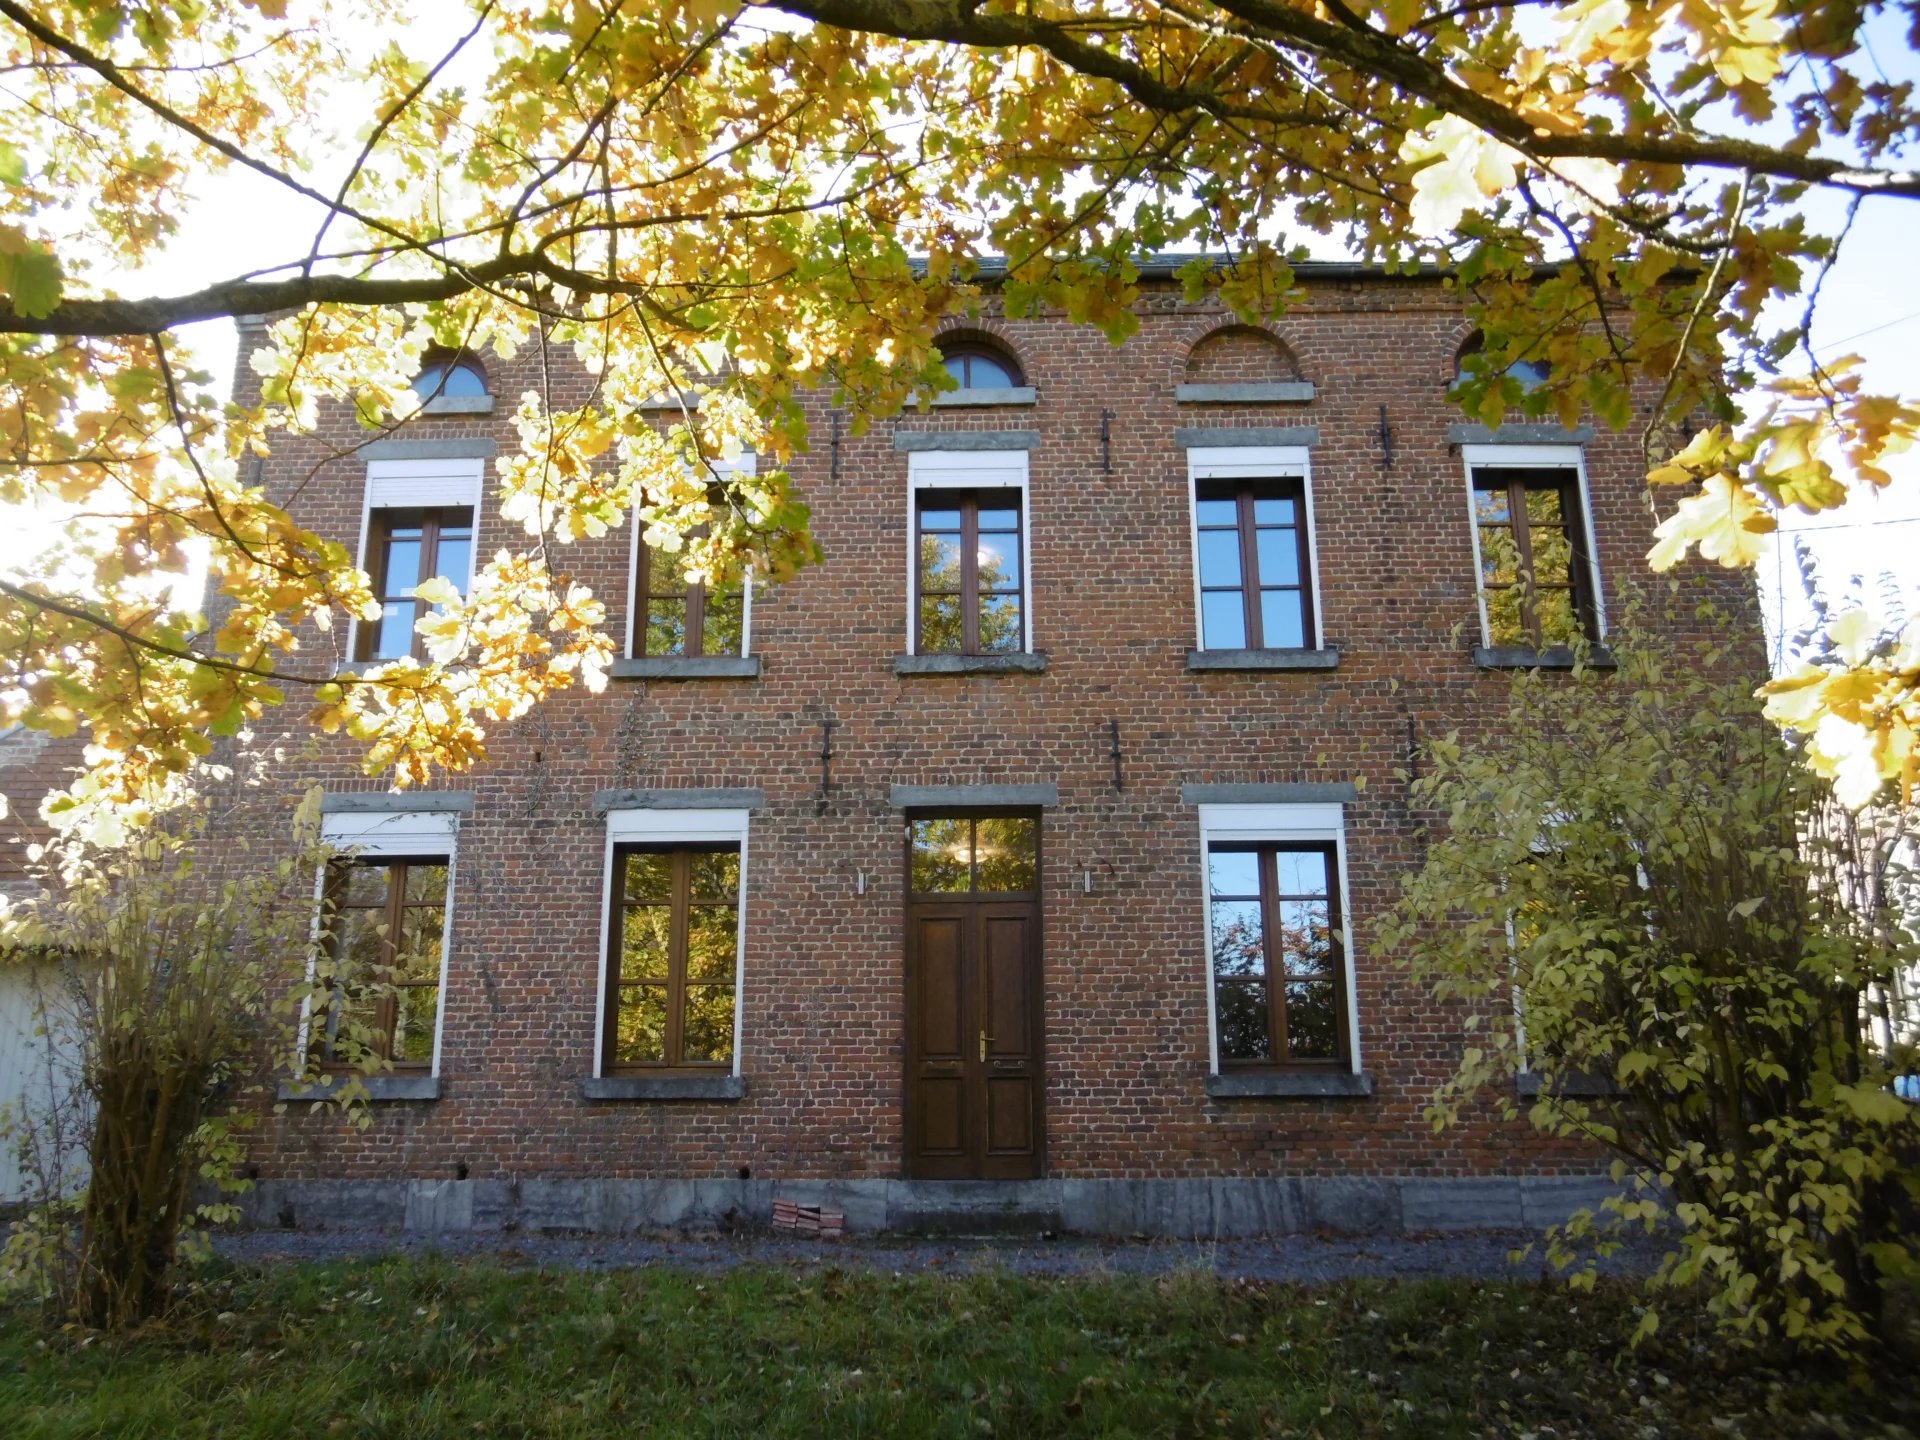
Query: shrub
(1645,902)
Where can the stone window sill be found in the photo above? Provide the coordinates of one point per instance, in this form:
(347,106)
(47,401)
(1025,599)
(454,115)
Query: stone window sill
(379,1087)
(458,405)
(984,396)
(1022,664)
(1308,1084)
(1324,659)
(663,1087)
(1525,657)
(1289,392)
(686,667)
(1530,1083)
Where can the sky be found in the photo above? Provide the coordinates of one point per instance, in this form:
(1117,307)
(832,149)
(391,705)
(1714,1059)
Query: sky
(1870,305)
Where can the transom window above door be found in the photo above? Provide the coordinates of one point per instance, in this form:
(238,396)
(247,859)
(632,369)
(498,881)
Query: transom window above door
(405,549)
(970,579)
(1255,578)
(974,854)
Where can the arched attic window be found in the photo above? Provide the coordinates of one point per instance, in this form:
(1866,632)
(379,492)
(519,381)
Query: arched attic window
(449,376)
(979,366)
(1531,373)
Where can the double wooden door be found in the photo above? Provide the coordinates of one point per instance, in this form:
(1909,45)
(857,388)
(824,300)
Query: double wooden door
(974,1082)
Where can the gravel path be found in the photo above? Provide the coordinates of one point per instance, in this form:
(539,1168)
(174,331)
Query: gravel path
(1298,1258)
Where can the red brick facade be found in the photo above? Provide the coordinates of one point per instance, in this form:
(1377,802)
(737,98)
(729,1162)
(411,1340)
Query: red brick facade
(1126,1048)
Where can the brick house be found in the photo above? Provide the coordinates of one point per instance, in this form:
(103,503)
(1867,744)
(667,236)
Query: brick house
(1023,855)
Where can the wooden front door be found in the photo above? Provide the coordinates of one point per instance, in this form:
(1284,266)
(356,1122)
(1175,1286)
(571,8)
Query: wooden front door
(974,1082)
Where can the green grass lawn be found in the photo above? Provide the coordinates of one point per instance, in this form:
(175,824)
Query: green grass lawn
(423,1348)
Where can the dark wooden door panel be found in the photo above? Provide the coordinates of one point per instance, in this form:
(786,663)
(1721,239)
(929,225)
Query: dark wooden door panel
(974,1083)
(939,1016)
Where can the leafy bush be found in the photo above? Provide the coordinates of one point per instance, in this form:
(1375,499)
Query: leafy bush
(1644,902)
(174,983)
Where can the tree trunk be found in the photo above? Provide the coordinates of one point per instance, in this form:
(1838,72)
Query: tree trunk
(138,1192)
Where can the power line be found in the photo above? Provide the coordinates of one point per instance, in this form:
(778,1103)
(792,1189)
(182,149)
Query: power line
(1862,334)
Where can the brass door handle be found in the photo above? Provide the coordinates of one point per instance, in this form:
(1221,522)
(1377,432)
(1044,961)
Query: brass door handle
(983,1047)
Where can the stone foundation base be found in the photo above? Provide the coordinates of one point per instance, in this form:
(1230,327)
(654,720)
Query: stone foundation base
(1182,1209)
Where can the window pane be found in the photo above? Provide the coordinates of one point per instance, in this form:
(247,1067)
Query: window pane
(465,382)
(1310,1020)
(1240,1012)
(403,561)
(666,627)
(395,638)
(1274,511)
(999,560)
(942,855)
(1279,555)
(649,875)
(712,931)
(421,930)
(1559,621)
(1000,627)
(366,885)
(939,561)
(1007,850)
(414,1014)
(1543,506)
(1552,557)
(428,382)
(646,931)
(356,1017)
(640,1026)
(1306,937)
(1236,939)
(716,874)
(1506,619)
(1216,512)
(940,632)
(1283,619)
(455,560)
(360,944)
(1301,872)
(1007,518)
(1490,505)
(1499,556)
(1223,620)
(937,519)
(426,884)
(706,1035)
(1233,872)
(721,624)
(1219,557)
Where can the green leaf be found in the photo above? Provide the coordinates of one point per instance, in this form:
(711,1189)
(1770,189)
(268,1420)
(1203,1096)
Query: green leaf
(33,280)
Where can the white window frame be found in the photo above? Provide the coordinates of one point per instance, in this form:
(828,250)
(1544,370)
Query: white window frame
(671,827)
(397,834)
(1253,462)
(745,463)
(419,485)
(968,470)
(1316,824)
(1533,457)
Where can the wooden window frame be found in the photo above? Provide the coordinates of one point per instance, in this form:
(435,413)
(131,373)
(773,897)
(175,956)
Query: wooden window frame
(1273,975)
(967,351)
(673,1060)
(1244,492)
(694,595)
(393,911)
(382,521)
(966,499)
(1517,481)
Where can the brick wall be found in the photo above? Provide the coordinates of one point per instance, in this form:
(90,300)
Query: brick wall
(1125,971)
